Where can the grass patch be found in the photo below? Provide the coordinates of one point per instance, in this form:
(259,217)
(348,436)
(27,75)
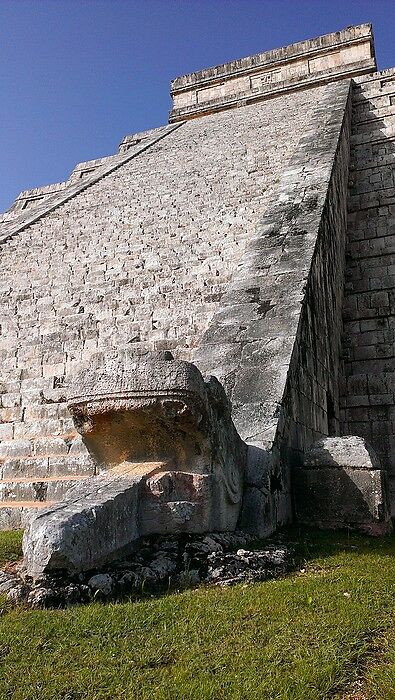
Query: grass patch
(10,546)
(309,636)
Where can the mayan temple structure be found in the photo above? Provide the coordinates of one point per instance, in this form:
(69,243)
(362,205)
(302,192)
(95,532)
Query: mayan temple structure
(250,240)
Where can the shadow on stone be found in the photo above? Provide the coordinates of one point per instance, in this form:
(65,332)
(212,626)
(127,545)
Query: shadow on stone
(343,486)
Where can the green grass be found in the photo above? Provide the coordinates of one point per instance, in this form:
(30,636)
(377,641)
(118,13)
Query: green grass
(309,636)
(10,546)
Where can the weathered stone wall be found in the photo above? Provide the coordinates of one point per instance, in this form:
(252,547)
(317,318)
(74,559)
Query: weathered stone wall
(312,393)
(368,392)
(311,401)
(140,259)
(275,341)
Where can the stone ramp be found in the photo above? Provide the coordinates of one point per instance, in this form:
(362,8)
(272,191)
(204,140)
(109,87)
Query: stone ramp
(274,343)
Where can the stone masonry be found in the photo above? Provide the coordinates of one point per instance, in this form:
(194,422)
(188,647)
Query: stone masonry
(149,274)
(221,238)
(368,392)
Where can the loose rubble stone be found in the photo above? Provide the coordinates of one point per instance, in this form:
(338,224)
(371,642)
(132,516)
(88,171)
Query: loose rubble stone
(7,581)
(18,594)
(159,564)
(101,582)
(246,565)
(41,598)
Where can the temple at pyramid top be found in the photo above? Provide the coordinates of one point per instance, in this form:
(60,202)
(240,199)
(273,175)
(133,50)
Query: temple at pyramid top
(334,56)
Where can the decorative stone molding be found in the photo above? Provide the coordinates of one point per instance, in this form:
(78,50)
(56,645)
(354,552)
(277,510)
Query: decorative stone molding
(334,56)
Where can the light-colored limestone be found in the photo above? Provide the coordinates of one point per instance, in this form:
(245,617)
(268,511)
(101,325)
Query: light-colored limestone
(349,451)
(331,57)
(222,240)
(97,521)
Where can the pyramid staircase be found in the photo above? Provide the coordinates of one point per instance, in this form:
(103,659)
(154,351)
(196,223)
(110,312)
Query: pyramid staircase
(37,473)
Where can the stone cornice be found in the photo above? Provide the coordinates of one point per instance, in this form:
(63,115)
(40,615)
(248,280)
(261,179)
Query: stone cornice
(331,57)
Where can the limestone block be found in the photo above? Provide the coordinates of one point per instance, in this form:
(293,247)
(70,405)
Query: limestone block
(25,468)
(82,464)
(342,485)
(11,449)
(96,522)
(50,446)
(178,502)
(175,502)
(6,431)
(347,451)
(77,447)
(155,410)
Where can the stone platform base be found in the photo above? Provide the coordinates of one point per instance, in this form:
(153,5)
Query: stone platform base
(342,486)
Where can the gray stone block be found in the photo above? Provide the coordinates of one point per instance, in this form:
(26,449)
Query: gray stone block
(96,522)
(348,451)
(332,492)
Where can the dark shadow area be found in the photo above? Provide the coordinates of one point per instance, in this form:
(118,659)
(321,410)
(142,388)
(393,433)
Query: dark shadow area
(368,348)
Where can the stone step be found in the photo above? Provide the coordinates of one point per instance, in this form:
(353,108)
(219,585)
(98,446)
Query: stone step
(373,124)
(49,457)
(379,101)
(16,514)
(362,136)
(35,490)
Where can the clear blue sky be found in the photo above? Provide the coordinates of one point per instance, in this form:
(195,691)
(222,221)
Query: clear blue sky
(78,75)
